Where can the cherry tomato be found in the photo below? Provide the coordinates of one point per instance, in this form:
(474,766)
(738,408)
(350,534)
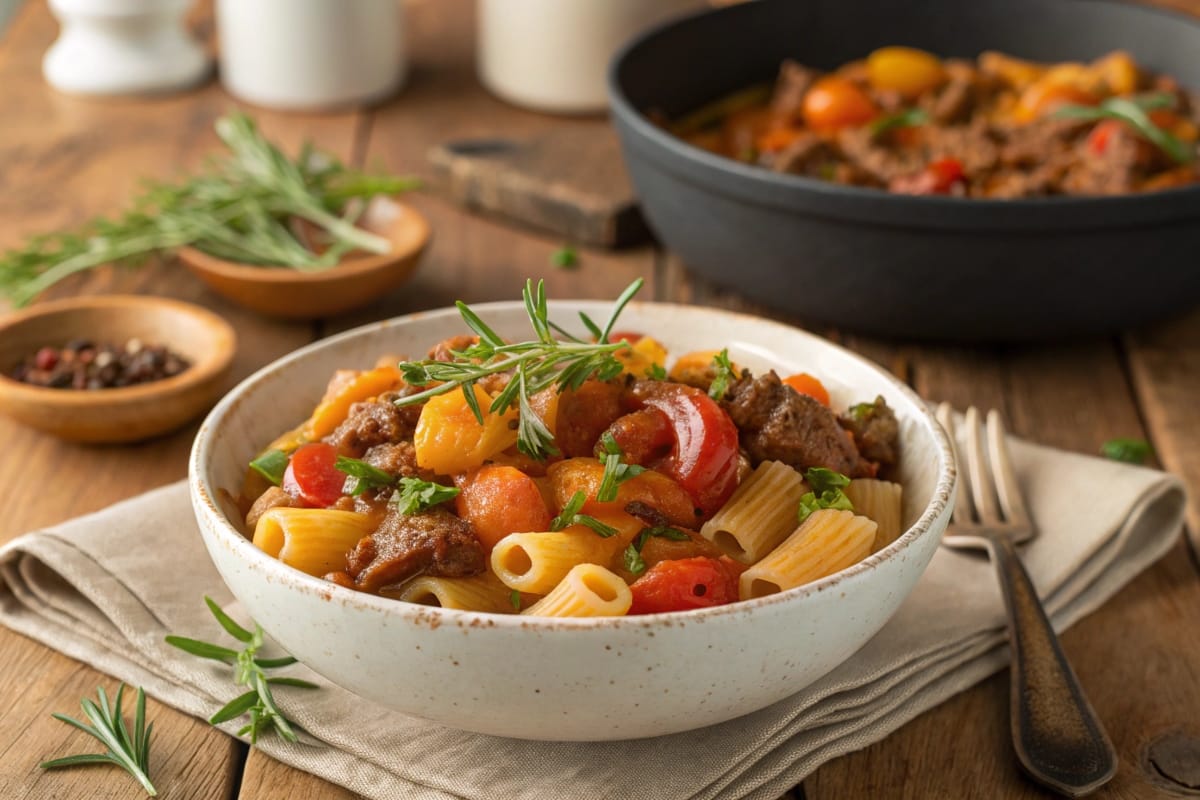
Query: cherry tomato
(807,384)
(684,584)
(311,476)
(905,70)
(704,458)
(1098,140)
(834,102)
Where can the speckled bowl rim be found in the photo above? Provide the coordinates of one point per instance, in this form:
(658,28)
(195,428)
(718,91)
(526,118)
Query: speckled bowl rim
(203,493)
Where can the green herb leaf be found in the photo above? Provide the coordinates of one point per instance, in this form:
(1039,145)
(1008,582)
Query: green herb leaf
(539,364)
(633,553)
(905,118)
(364,475)
(271,465)
(248,671)
(514,597)
(1131,451)
(656,372)
(616,472)
(129,752)
(570,516)
(826,492)
(415,495)
(1132,111)
(633,560)
(723,372)
(565,257)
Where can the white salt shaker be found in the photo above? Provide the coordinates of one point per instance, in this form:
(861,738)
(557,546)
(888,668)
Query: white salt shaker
(123,47)
(552,55)
(311,54)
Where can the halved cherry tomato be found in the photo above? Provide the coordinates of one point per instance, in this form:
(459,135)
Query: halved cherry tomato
(311,476)
(704,458)
(684,584)
(834,102)
(806,384)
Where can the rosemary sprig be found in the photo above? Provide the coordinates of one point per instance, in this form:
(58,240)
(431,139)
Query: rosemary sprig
(1134,112)
(128,750)
(241,207)
(535,365)
(249,670)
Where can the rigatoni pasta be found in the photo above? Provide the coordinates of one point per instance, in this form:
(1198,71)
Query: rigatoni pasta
(881,501)
(828,541)
(313,540)
(536,562)
(482,592)
(760,515)
(588,590)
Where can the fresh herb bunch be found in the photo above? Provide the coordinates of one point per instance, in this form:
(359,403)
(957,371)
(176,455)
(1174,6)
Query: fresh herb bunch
(249,670)
(129,751)
(826,492)
(535,365)
(1131,451)
(1134,111)
(243,207)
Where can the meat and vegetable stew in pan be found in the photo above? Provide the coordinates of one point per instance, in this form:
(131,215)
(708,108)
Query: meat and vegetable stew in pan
(909,122)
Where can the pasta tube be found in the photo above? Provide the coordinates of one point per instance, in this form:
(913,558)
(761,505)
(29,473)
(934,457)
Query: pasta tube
(760,515)
(313,540)
(880,501)
(828,541)
(588,590)
(477,593)
(536,562)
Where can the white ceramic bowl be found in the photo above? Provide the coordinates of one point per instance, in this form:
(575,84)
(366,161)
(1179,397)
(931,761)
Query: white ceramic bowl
(563,679)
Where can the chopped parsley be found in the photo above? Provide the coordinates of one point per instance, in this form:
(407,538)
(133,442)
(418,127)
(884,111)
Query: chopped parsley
(826,492)
(723,372)
(616,472)
(514,597)
(362,475)
(656,372)
(633,553)
(271,465)
(565,257)
(414,495)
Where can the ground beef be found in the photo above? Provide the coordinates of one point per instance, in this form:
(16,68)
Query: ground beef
(406,545)
(974,146)
(398,460)
(876,431)
(793,83)
(376,422)
(271,498)
(776,423)
(1125,162)
(441,350)
(964,90)
(881,157)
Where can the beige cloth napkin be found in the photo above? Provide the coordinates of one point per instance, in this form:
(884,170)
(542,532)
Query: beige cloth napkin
(107,587)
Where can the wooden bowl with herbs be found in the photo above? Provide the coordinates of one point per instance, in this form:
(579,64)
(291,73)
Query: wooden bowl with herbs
(299,237)
(112,368)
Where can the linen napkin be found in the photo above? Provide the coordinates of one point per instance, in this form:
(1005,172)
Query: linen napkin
(107,587)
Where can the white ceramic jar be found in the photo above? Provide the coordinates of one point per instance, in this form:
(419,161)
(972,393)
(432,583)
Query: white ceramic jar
(311,54)
(552,55)
(122,47)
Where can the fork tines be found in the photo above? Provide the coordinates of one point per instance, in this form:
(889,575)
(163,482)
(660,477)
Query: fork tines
(989,494)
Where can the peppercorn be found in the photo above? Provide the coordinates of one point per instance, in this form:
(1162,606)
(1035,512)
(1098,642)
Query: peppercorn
(84,364)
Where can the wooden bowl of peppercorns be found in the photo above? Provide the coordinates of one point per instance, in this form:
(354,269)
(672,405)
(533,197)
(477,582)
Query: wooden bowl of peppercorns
(112,368)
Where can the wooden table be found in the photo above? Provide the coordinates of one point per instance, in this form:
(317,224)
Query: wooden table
(64,159)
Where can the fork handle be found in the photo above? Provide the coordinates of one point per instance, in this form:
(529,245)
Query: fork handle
(1055,731)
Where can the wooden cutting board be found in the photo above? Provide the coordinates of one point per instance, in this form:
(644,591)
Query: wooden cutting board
(571,183)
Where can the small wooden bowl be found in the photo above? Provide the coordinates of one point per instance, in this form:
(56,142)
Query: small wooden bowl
(128,413)
(356,281)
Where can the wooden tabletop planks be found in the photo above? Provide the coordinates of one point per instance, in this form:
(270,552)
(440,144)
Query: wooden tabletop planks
(65,159)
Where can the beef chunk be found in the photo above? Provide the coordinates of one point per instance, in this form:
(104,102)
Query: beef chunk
(585,413)
(398,460)
(271,498)
(406,545)
(376,422)
(776,423)
(876,431)
(441,350)
(793,83)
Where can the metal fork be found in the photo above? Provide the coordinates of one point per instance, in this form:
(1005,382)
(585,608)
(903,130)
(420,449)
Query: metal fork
(1056,734)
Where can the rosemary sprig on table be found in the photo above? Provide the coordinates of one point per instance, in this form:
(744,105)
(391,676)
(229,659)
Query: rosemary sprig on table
(249,670)
(1134,112)
(535,365)
(128,750)
(243,207)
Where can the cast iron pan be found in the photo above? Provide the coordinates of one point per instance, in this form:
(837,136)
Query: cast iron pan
(917,267)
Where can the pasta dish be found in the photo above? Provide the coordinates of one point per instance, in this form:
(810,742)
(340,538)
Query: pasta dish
(573,476)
